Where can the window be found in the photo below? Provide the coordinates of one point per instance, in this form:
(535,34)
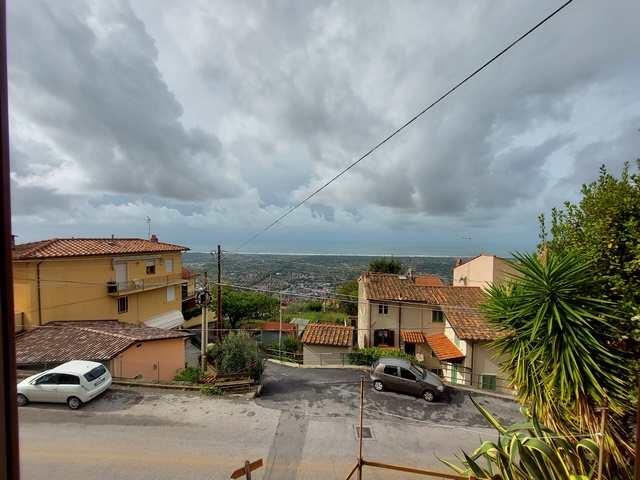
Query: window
(407,374)
(383,309)
(151,267)
(433,353)
(171,294)
(48,379)
(456,340)
(383,337)
(123,304)
(95,373)
(488,382)
(391,370)
(454,374)
(168,265)
(437,316)
(68,379)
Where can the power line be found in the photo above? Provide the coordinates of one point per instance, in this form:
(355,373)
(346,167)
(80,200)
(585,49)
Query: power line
(449,92)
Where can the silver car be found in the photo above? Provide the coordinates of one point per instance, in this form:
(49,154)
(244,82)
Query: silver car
(73,383)
(400,374)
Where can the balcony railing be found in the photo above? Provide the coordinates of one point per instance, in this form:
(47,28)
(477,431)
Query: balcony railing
(139,285)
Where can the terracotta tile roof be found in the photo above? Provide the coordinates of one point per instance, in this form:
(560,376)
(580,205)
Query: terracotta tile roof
(429,282)
(275,326)
(333,335)
(443,347)
(461,305)
(387,286)
(80,247)
(412,337)
(97,340)
(186,273)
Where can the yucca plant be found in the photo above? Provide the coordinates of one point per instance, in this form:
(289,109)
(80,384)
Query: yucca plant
(560,350)
(529,451)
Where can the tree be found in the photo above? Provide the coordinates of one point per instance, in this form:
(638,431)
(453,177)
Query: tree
(560,349)
(348,297)
(238,305)
(604,226)
(238,353)
(382,265)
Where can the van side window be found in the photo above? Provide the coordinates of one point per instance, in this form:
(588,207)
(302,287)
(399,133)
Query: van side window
(391,370)
(48,379)
(404,373)
(67,379)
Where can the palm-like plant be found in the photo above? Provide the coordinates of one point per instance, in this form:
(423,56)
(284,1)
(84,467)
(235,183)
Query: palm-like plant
(560,348)
(529,451)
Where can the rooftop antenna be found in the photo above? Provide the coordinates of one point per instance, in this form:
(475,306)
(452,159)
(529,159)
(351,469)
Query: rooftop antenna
(149,229)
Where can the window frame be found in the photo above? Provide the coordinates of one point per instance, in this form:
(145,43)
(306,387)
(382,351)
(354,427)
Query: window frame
(437,316)
(151,267)
(169,265)
(123,304)
(383,309)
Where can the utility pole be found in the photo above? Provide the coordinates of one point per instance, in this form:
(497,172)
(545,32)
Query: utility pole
(204,298)
(219,298)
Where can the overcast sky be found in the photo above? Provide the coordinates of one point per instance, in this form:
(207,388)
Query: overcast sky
(214,118)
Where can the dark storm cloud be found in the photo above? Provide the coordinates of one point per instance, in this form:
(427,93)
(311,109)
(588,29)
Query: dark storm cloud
(87,76)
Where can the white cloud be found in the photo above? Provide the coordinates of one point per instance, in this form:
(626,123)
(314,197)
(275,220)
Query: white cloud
(214,118)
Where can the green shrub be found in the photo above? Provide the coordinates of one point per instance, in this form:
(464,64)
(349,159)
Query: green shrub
(192,312)
(209,391)
(239,353)
(290,344)
(190,374)
(313,307)
(366,356)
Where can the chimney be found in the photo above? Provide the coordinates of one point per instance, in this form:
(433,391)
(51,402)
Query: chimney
(458,262)
(154,238)
(13,242)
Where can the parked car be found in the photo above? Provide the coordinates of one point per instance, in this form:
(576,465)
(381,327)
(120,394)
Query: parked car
(73,383)
(400,374)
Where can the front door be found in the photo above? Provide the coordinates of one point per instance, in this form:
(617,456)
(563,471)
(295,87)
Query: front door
(45,388)
(408,382)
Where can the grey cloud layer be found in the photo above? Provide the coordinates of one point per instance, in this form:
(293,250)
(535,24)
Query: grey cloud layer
(272,99)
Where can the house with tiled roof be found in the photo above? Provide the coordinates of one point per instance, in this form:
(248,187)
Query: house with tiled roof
(441,325)
(482,271)
(326,344)
(68,279)
(127,350)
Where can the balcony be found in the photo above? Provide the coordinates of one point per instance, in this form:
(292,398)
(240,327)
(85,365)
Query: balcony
(115,289)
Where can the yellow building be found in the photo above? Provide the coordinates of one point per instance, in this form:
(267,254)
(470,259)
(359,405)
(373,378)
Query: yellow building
(127,279)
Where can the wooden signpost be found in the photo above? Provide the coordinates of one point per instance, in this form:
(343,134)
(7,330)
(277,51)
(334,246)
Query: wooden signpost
(247,469)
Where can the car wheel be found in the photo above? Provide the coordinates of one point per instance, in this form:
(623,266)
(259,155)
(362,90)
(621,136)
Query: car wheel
(22,400)
(428,395)
(378,385)
(74,403)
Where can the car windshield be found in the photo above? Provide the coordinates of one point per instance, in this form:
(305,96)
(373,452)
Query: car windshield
(419,372)
(95,373)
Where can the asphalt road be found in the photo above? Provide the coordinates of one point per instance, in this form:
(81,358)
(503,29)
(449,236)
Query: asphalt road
(303,426)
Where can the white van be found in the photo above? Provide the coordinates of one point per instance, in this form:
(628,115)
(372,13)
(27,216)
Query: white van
(73,383)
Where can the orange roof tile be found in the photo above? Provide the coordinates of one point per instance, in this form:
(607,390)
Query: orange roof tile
(443,347)
(98,340)
(186,273)
(81,247)
(324,334)
(429,282)
(275,326)
(412,337)
(461,305)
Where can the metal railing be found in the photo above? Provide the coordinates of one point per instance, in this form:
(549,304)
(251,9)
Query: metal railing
(138,285)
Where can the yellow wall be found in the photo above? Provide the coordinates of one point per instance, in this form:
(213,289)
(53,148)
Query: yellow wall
(76,289)
(482,271)
(154,360)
